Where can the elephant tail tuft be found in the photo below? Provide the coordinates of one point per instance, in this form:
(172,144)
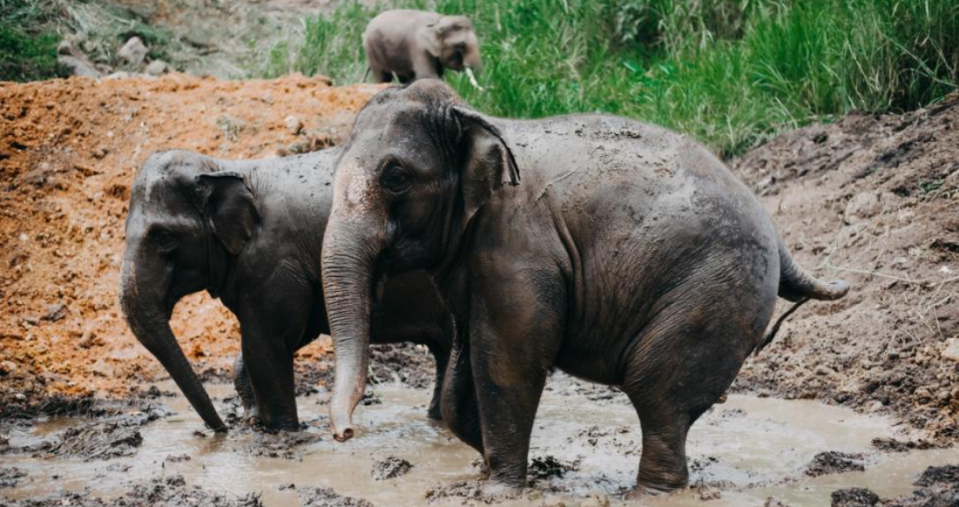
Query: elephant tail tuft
(798,286)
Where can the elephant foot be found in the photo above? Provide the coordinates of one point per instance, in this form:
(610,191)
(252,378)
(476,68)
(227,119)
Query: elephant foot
(646,490)
(434,412)
(495,491)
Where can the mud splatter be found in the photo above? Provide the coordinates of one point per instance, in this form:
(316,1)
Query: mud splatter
(390,468)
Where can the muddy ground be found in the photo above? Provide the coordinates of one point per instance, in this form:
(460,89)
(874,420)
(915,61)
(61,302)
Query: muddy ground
(870,198)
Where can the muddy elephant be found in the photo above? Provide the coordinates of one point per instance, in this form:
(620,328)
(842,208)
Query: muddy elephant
(417,45)
(629,256)
(250,233)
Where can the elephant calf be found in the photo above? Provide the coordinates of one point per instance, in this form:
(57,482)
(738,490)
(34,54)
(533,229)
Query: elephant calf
(628,255)
(250,233)
(417,45)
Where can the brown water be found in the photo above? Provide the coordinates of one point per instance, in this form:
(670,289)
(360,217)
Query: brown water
(749,448)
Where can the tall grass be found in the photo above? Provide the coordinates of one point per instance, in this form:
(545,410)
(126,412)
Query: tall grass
(732,73)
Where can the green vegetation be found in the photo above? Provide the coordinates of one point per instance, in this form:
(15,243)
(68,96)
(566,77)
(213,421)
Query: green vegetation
(27,51)
(732,73)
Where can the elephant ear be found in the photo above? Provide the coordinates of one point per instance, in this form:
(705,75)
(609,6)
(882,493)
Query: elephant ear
(430,39)
(226,202)
(489,163)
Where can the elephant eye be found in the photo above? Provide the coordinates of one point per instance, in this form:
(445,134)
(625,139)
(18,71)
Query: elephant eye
(163,239)
(396,179)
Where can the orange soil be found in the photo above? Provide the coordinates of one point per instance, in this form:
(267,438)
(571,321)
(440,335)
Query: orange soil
(68,152)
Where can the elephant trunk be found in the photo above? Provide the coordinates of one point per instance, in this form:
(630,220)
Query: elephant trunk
(147,310)
(472,59)
(348,261)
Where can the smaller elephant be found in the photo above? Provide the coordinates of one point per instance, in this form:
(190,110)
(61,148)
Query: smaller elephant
(417,45)
(250,233)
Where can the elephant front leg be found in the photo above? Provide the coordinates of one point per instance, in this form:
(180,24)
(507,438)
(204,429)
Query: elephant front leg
(271,334)
(514,340)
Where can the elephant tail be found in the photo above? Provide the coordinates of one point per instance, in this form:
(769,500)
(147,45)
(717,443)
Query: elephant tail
(799,286)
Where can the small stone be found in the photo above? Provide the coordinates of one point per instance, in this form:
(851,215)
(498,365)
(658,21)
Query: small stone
(133,52)
(55,312)
(951,351)
(861,207)
(293,124)
(157,68)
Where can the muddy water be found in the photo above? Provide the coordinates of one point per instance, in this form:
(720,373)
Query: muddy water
(748,449)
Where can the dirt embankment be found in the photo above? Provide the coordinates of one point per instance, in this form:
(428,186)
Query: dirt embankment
(68,152)
(873,199)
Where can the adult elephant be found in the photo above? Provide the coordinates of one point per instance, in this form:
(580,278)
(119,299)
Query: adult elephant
(629,256)
(250,233)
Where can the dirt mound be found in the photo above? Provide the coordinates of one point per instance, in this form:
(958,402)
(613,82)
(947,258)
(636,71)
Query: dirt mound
(68,153)
(871,199)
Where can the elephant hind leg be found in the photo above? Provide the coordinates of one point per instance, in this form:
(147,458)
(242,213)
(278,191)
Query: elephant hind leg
(677,369)
(441,358)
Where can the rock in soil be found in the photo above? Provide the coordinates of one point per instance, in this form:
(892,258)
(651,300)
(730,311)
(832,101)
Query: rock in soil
(832,462)
(133,52)
(854,497)
(326,497)
(10,477)
(390,468)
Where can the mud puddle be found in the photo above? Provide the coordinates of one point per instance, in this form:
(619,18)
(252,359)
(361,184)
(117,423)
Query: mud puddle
(585,447)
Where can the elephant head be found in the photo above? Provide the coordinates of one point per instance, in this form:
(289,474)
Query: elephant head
(452,40)
(187,220)
(418,166)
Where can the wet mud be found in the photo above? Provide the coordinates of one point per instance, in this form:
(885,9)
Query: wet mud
(832,462)
(743,452)
(390,468)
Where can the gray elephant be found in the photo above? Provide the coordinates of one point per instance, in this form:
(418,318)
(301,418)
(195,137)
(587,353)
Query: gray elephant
(629,256)
(417,45)
(250,233)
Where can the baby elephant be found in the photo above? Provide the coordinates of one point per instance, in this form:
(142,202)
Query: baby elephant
(417,45)
(249,232)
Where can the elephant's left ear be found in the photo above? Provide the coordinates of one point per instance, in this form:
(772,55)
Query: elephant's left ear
(227,204)
(489,163)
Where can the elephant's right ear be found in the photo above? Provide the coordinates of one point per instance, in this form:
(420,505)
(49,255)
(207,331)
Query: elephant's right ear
(226,202)
(490,162)
(428,38)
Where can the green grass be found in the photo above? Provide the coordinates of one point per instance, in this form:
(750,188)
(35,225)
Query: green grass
(27,51)
(732,73)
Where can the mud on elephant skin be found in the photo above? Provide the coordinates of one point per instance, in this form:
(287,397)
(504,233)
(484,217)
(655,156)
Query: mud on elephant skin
(628,255)
(417,45)
(250,233)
